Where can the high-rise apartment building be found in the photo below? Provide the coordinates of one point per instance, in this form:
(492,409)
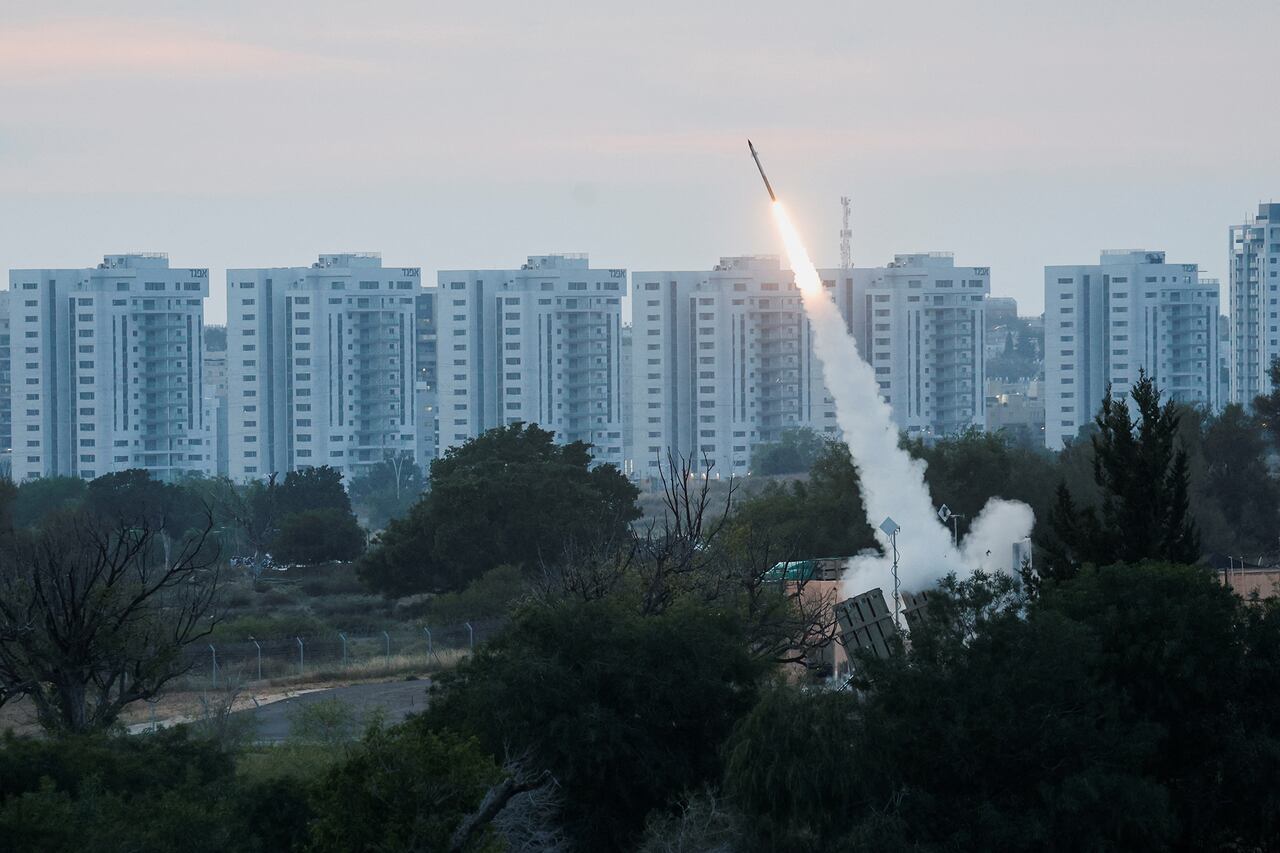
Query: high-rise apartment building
(427,398)
(722,360)
(321,365)
(538,345)
(6,386)
(919,322)
(1254,310)
(1131,311)
(106,368)
(215,396)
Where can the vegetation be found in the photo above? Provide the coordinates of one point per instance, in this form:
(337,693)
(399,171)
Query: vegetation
(1142,475)
(94,615)
(509,497)
(388,489)
(657,686)
(794,453)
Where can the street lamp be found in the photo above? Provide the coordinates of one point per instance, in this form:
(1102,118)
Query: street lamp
(890,528)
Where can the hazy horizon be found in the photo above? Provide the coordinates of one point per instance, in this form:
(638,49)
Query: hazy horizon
(236,135)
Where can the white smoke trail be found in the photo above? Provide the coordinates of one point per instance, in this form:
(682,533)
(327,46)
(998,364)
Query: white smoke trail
(892,481)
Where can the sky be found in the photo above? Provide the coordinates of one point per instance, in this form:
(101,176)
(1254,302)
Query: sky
(470,135)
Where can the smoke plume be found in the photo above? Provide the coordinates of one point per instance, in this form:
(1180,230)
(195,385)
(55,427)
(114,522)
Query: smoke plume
(893,483)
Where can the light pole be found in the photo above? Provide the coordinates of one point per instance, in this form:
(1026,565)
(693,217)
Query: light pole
(259,648)
(890,529)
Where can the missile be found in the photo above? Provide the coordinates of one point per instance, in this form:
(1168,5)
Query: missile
(756,157)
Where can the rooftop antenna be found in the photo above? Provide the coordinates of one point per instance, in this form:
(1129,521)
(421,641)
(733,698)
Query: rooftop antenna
(846,236)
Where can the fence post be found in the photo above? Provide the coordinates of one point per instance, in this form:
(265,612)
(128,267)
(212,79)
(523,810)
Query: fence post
(214,652)
(430,648)
(388,639)
(259,648)
(302,656)
(344,647)
(471,637)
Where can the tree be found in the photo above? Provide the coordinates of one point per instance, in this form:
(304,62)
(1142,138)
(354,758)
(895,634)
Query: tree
(821,517)
(1234,496)
(626,711)
(134,494)
(967,470)
(1029,754)
(318,536)
(94,617)
(146,793)
(402,788)
(38,499)
(1142,475)
(388,489)
(795,452)
(312,488)
(508,497)
(1267,406)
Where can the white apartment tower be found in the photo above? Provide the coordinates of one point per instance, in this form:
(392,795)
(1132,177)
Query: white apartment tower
(1254,291)
(722,360)
(539,345)
(920,323)
(106,369)
(320,364)
(1104,322)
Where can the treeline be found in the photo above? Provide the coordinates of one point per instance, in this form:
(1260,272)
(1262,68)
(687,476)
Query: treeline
(656,687)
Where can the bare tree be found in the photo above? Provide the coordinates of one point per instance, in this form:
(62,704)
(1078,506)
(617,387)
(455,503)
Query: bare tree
(94,616)
(689,552)
(522,808)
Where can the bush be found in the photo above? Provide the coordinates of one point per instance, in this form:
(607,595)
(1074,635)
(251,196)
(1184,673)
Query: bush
(270,627)
(491,594)
(627,711)
(318,536)
(402,788)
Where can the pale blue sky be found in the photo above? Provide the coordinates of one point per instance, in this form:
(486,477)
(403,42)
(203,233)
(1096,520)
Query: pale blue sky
(1016,134)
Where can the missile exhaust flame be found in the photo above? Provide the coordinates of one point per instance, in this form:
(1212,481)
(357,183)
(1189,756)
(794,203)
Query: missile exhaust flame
(892,480)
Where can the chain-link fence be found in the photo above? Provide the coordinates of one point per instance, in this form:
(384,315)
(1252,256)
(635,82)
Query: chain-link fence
(334,655)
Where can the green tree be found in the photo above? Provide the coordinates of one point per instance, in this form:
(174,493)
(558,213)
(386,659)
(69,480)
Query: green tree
(149,793)
(626,711)
(1234,496)
(795,452)
(967,470)
(388,489)
(1141,472)
(819,517)
(318,536)
(1029,753)
(403,788)
(41,498)
(1267,406)
(312,488)
(511,496)
(134,495)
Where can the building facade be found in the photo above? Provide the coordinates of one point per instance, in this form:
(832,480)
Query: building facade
(427,398)
(538,345)
(920,323)
(1254,291)
(215,395)
(320,364)
(107,370)
(1105,322)
(722,360)
(6,389)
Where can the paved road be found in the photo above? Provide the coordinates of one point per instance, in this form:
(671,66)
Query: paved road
(395,700)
